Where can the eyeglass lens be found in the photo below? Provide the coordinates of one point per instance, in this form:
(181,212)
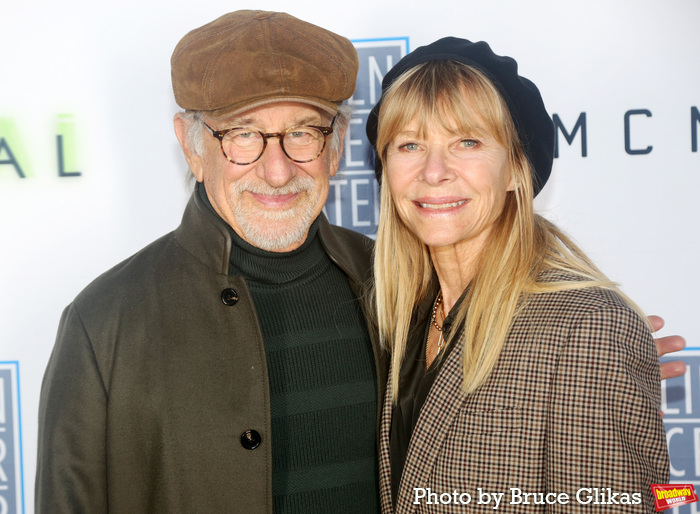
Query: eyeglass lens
(301,144)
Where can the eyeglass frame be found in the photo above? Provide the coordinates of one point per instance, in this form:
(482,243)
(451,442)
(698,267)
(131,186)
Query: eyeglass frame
(220,134)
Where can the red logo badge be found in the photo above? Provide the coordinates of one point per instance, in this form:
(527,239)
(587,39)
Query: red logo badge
(667,496)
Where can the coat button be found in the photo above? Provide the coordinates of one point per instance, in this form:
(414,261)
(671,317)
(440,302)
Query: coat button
(250,439)
(229,296)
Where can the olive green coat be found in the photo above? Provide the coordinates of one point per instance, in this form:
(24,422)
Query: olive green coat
(153,379)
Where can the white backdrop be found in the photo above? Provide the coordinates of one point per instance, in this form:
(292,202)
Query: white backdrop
(99,77)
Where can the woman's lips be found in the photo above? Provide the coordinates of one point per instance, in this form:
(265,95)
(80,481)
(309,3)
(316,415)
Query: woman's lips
(439,204)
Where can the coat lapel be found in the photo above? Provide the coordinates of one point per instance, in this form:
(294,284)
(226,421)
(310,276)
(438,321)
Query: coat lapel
(384,453)
(441,407)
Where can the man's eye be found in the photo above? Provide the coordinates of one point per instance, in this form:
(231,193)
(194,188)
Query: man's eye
(242,138)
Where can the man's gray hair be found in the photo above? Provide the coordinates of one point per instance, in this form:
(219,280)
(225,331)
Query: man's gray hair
(195,131)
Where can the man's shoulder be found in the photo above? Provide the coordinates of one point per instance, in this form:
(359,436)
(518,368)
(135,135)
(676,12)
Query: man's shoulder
(134,272)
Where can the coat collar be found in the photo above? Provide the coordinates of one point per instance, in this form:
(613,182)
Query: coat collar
(355,264)
(204,235)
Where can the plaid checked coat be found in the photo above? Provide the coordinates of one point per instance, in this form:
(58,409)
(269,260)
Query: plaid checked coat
(573,403)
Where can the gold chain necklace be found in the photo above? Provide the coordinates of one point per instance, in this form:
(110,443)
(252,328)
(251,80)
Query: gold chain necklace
(433,318)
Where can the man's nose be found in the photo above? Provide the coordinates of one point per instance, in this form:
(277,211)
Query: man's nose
(274,167)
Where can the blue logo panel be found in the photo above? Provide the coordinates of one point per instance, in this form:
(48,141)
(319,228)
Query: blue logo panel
(11,472)
(353,200)
(680,402)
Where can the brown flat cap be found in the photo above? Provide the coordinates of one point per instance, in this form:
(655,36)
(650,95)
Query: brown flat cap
(245,59)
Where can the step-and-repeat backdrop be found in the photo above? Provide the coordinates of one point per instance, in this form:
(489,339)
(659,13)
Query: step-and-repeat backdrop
(90,170)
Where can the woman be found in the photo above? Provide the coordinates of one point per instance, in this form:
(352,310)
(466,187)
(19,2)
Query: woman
(520,374)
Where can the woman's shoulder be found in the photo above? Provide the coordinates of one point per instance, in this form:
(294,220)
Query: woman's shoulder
(592,315)
(575,302)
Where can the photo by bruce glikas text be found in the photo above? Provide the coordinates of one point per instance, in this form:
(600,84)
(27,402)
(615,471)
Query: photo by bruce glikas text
(515,496)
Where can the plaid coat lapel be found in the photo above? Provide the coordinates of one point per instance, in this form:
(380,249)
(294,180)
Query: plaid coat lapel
(384,454)
(442,405)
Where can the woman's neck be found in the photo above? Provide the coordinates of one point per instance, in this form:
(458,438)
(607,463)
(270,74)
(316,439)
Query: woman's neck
(455,266)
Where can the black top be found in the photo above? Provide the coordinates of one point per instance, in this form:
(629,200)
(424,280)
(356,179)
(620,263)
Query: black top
(415,383)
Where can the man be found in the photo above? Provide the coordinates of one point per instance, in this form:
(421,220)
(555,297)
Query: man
(227,367)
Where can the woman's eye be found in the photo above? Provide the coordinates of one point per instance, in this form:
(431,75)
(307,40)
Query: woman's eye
(468,143)
(410,147)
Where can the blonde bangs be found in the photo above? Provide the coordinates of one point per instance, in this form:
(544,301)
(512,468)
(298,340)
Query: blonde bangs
(453,96)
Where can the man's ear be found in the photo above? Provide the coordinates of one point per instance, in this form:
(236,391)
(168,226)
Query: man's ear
(194,161)
(335,157)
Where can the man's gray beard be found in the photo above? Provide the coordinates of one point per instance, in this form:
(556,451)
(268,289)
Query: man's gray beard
(255,223)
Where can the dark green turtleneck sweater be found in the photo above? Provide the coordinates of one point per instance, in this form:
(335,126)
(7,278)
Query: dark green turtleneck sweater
(322,379)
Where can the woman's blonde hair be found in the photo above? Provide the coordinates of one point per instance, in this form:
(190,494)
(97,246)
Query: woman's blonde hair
(462,100)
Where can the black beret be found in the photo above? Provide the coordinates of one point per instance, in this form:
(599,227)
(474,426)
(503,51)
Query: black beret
(534,126)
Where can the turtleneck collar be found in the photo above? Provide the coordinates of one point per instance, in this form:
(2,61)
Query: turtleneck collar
(267,267)
(277,267)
